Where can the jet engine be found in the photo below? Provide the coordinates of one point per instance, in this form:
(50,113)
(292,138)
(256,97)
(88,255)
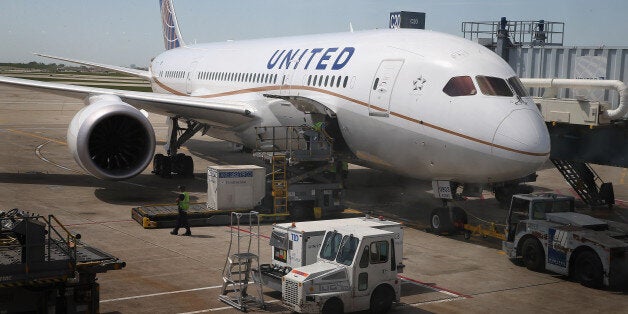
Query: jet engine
(111,139)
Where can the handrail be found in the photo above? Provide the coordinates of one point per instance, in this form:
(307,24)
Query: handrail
(554,83)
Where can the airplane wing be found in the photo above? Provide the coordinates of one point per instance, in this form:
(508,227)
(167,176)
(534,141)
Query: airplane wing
(220,114)
(134,72)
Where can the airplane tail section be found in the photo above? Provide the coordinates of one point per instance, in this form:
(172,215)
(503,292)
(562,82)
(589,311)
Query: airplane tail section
(172,35)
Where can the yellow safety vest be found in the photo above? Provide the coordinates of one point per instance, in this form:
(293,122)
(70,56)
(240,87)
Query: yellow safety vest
(185,203)
(318,126)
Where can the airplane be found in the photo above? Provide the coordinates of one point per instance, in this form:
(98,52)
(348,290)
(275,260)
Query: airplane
(422,104)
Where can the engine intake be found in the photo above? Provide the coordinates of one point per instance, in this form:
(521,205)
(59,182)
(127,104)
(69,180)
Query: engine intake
(111,139)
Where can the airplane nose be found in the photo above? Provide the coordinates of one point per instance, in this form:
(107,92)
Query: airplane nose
(524,133)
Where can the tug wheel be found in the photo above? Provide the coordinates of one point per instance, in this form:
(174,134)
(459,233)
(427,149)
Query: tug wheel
(533,255)
(589,271)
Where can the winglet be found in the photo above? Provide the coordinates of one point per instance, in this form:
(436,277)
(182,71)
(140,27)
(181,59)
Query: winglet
(172,35)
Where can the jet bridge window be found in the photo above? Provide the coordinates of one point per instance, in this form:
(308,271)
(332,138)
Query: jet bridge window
(460,86)
(493,86)
(516,84)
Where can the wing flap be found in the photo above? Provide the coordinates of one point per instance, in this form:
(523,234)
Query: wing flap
(221,114)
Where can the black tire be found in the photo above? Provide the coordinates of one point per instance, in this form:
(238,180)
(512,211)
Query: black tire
(440,221)
(533,255)
(165,168)
(188,166)
(588,270)
(381,300)
(157,160)
(504,195)
(459,218)
(333,306)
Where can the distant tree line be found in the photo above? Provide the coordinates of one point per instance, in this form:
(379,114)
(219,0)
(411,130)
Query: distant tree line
(34,65)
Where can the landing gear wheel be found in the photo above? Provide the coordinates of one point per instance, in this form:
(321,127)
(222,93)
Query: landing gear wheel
(188,166)
(459,218)
(165,168)
(157,160)
(333,306)
(589,271)
(440,221)
(533,255)
(381,300)
(503,195)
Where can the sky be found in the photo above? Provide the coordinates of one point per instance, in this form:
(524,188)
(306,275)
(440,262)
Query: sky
(125,32)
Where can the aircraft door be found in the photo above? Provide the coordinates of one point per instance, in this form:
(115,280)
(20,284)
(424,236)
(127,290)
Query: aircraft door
(189,77)
(382,87)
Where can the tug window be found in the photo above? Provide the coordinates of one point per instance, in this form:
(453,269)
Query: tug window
(460,86)
(518,86)
(493,86)
(379,252)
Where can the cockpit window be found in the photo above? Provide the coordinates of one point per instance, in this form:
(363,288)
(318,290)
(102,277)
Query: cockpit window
(493,86)
(518,86)
(460,86)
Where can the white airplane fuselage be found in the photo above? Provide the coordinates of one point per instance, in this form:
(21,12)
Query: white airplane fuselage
(386,90)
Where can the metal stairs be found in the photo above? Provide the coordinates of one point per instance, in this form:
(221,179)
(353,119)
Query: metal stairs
(586,182)
(279,184)
(238,270)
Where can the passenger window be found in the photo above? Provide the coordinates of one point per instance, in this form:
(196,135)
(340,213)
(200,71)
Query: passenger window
(309,80)
(493,86)
(326,80)
(518,86)
(344,83)
(460,86)
(320,80)
(331,83)
(379,252)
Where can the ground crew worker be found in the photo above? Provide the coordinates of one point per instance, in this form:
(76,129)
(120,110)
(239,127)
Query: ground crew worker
(319,126)
(183,204)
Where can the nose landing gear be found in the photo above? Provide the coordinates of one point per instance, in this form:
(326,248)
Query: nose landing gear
(448,220)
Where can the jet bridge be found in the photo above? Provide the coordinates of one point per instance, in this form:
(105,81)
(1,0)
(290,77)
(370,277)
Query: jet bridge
(579,92)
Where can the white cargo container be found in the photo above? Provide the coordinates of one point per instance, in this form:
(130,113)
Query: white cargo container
(235,186)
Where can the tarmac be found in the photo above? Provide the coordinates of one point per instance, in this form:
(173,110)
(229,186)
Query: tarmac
(177,274)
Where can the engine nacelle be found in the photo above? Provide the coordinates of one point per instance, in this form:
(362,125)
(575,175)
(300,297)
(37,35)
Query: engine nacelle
(111,139)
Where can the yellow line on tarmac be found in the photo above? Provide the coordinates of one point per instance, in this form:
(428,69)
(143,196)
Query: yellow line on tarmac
(37,136)
(623,175)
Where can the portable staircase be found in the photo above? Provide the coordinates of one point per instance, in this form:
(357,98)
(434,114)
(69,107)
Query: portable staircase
(238,270)
(586,182)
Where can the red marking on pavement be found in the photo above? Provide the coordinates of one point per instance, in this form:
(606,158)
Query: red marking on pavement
(437,288)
